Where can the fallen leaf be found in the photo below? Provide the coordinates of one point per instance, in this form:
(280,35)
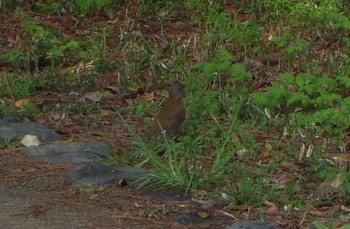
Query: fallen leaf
(203,215)
(269,204)
(318,213)
(272,208)
(330,189)
(18,38)
(92,96)
(241,207)
(149,96)
(22,102)
(65,71)
(115,21)
(137,205)
(113,89)
(345,208)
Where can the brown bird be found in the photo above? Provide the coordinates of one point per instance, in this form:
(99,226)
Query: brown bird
(172,115)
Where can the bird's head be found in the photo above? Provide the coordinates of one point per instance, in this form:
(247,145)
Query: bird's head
(177,91)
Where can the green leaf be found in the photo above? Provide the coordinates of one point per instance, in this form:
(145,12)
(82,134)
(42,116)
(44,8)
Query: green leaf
(327,100)
(298,99)
(344,81)
(262,100)
(346,226)
(287,78)
(319,225)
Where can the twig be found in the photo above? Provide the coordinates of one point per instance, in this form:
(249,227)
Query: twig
(304,216)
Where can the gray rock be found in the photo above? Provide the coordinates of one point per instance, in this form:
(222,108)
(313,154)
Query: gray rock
(15,128)
(254,225)
(189,218)
(166,194)
(102,174)
(63,152)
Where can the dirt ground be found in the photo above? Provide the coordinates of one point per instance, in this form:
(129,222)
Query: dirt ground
(36,194)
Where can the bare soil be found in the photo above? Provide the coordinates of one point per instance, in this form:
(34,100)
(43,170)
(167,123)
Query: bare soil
(36,194)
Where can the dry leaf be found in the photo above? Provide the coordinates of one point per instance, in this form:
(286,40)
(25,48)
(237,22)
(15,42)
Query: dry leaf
(149,96)
(65,71)
(331,189)
(241,207)
(115,21)
(318,213)
(18,38)
(92,96)
(22,102)
(113,89)
(272,208)
(137,205)
(236,138)
(203,215)
(345,208)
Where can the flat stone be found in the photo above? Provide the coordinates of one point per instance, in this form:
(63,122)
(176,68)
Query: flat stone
(166,194)
(67,152)
(254,225)
(189,218)
(95,173)
(15,128)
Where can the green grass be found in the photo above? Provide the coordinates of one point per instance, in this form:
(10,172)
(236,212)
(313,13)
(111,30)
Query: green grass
(296,106)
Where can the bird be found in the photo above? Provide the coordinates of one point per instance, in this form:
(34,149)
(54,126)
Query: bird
(171,117)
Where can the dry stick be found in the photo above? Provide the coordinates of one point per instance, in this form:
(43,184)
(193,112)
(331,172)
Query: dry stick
(8,86)
(304,216)
(228,214)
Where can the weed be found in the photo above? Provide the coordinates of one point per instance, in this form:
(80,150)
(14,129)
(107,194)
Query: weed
(302,108)
(159,9)
(90,190)
(247,191)
(17,59)
(86,6)
(17,86)
(176,164)
(82,108)
(314,103)
(30,111)
(98,50)
(4,3)
(9,143)
(320,225)
(7,110)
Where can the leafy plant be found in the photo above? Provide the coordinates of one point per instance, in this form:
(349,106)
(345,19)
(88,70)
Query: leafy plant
(4,3)
(314,101)
(219,73)
(320,225)
(30,111)
(85,6)
(17,86)
(176,166)
(159,8)
(247,191)
(17,59)
(47,47)
(230,30)
(9,143)
(7,110)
